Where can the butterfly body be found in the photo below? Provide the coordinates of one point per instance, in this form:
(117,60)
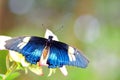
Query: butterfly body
(47,51)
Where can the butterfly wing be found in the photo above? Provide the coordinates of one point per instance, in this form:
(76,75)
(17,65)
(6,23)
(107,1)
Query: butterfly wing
(58,55)
(30,47)
(62,54)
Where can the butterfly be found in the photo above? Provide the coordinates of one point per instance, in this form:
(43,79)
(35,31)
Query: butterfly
(47,51)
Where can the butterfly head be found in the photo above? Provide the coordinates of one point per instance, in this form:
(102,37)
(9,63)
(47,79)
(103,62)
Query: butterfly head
(50,37)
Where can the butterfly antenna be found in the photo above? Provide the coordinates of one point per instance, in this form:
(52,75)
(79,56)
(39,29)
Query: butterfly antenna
(59,29)
(47,26)
(43,27)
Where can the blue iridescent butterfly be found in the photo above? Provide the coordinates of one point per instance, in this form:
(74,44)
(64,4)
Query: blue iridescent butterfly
(47,51)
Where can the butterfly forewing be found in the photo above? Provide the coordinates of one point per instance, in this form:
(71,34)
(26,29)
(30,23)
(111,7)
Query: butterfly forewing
(59,56)
(31,49)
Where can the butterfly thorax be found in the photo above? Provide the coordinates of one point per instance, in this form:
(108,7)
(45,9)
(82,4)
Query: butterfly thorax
(49,41)
(45,52)
(47,47)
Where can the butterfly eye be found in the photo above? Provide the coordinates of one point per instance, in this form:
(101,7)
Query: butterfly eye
(50,37)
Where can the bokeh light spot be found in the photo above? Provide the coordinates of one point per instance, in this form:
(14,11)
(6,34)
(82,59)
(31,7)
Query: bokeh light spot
(20,7)
(86,28)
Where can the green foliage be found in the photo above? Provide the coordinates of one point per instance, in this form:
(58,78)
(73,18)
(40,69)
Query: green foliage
(10,75)
(0,77)
(13,76)
(3,54)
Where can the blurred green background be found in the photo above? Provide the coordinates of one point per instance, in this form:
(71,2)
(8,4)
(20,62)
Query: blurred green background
(92,26)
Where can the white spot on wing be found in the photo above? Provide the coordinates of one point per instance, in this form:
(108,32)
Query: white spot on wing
(25,41)
(71,53)
(71,50)
(21,45)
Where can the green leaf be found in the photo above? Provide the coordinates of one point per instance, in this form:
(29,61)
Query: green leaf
(3,54)
(13,76)
(0,78)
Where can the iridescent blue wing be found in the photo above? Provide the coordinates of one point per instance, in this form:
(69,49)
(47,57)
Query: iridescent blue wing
(62,54)
(58,55)
(30,47)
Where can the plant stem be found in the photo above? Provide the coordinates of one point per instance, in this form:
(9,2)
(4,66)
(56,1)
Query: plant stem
(7,62)
(10,70)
